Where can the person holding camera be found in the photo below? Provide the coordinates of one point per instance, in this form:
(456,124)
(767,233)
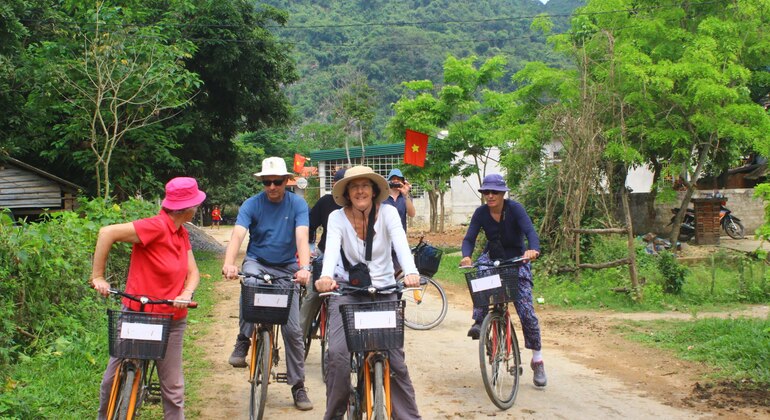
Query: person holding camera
(398,195)
(358,252)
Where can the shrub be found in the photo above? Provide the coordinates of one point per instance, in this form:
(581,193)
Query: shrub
(45,267)
(673,273)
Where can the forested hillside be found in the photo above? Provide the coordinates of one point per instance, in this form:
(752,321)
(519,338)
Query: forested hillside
(379,44)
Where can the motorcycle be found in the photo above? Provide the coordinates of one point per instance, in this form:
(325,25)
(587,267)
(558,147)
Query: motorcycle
(729,223)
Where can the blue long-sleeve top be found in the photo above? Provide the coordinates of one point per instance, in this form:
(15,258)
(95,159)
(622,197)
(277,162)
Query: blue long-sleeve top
(513,227)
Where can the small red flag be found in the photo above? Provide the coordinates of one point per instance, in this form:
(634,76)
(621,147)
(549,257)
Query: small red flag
(299,163)
(415,148)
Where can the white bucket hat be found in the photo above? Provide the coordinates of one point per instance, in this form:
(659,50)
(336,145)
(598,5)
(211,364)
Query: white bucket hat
(273,166)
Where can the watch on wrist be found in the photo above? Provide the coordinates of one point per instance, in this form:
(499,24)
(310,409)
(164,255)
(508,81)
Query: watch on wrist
(307,268)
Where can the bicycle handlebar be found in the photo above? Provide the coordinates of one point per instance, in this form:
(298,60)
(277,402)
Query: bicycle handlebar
(346,289)
(144,300)
(266,277)
(498,263)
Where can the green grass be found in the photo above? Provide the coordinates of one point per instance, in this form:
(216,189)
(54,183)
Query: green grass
(62,381)
(738,350)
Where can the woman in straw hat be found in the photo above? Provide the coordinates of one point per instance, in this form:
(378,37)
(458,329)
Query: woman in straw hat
(360,193)
(162,266)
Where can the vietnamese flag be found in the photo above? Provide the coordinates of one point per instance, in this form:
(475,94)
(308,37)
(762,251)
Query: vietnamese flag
(299,163)
(415,148)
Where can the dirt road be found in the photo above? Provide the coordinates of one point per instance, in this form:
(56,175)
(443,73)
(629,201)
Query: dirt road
(592,373)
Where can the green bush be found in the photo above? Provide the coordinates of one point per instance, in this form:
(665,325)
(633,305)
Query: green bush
(45,267)
(673,273)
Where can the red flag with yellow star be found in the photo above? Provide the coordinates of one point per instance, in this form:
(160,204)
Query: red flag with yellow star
(415,148)
(299,163)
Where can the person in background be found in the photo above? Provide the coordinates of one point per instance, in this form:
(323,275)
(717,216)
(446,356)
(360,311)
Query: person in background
(216,217)
(277,224)
(506,225)
(319,216)
(162,266)
(398,195)
(360,193)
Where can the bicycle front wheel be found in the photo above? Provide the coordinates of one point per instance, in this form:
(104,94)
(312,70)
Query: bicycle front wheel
(426,307)
(261,367)
(355,403)
(499,359)
(378,389)
(324,340)
(127,393)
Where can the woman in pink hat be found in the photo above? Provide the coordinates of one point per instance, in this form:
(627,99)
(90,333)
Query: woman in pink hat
(162,266)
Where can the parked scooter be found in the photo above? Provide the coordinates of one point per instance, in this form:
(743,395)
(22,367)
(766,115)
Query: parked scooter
(730,224)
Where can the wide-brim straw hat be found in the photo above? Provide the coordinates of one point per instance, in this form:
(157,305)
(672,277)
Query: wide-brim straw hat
(358,172)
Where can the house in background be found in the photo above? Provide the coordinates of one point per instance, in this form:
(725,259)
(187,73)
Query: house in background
(460,201)
(29,192)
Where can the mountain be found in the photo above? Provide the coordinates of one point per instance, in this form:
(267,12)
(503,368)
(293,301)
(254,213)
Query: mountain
(389,42)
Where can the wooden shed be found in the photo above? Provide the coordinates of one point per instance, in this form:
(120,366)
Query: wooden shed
(29,191)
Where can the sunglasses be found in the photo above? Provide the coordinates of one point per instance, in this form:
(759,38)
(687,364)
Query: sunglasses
(490,192)
(276,182)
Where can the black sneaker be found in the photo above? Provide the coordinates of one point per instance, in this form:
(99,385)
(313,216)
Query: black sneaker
(475,331)
(301,400)
(238,357)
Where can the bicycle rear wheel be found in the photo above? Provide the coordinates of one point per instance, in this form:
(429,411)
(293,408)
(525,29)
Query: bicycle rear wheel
(261,367)
(427,307)
(500,365)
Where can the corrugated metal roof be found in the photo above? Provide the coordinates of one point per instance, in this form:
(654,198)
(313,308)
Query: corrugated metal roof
(355,152)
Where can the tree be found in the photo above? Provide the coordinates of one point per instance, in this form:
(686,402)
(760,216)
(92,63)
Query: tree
(456,108)
(125,77)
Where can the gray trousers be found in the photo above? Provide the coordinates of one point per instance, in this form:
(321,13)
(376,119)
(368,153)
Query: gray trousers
(404,403)
(310,306)
(291,331)
(169,373)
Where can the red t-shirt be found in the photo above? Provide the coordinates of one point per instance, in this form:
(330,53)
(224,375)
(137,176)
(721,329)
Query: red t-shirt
(158,266)
(216,215)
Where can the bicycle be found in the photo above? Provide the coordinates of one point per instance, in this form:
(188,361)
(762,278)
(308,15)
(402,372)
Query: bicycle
(371,329)
(428,304)
(139,339)
(266,305)
(495,285)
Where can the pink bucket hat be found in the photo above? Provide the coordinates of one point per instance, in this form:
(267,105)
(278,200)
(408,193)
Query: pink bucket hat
(182,193)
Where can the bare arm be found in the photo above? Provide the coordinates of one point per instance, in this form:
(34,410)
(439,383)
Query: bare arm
(108,235)
(303,253)
(410,210)
(191,282)
(229,269)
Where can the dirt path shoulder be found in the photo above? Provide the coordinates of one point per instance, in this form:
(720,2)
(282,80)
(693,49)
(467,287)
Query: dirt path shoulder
(592,372)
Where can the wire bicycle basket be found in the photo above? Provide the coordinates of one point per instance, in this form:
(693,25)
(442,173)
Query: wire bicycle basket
(138,335)
(266,303)
(373,326)
(494,285)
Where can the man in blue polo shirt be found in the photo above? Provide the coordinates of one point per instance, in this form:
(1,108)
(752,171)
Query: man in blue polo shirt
(277,224)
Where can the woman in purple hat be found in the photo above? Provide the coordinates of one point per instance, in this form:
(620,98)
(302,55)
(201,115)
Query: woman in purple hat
(162,266)
(506,224)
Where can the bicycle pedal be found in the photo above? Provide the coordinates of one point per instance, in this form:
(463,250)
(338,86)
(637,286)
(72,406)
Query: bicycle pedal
(281,377)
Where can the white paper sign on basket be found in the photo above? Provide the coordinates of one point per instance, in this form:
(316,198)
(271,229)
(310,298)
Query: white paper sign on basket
(379,319)
(137,331)
(272,301)
(486,283)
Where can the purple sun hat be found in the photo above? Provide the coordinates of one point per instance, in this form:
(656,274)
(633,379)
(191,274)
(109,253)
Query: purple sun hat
(493,182)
